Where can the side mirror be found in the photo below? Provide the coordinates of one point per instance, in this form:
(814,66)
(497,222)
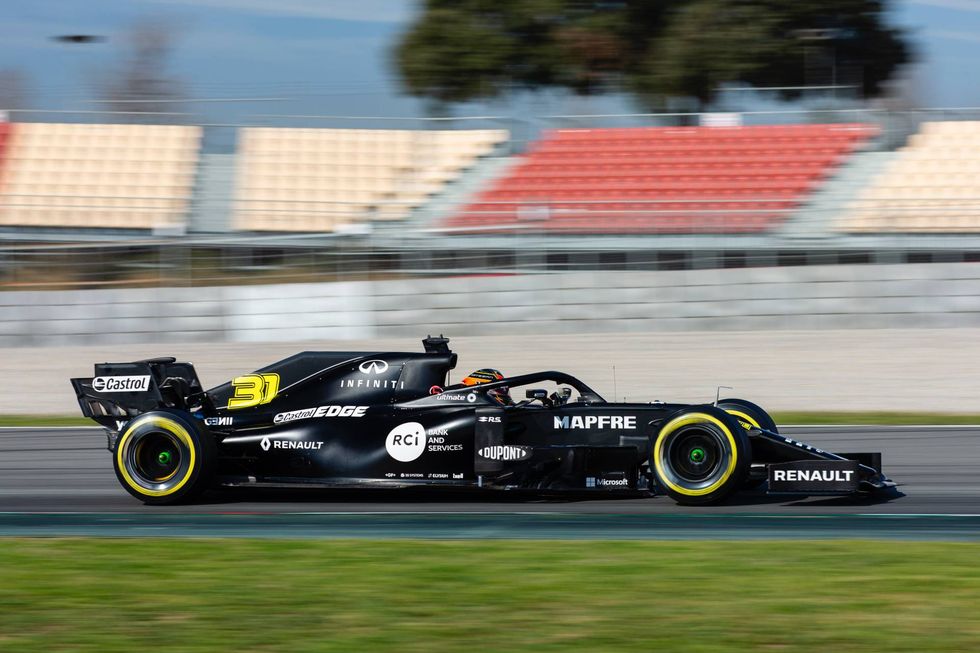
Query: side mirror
(537,393)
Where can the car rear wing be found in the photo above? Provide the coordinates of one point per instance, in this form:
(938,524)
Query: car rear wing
(120,391)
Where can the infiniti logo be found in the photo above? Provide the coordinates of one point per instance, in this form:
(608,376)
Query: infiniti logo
(373,367)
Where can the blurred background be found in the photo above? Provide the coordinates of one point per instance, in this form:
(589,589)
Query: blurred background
(658,196)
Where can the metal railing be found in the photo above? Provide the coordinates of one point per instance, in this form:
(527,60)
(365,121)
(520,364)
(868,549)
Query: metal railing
(245,259)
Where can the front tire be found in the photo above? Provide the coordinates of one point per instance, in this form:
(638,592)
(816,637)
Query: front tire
(700,456)
(164,457)
(750,416)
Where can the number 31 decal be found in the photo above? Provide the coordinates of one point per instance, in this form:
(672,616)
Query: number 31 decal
(254,389)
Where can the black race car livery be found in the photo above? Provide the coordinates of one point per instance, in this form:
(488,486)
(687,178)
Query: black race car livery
(389,419)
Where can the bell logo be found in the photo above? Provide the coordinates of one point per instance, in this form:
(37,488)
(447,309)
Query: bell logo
(265,444)
(373,367)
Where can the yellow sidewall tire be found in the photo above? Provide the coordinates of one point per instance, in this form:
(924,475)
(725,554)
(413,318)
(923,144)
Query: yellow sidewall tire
(734,444)
(196,447)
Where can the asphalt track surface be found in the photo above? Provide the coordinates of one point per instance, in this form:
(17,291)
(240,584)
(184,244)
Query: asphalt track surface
(60,481)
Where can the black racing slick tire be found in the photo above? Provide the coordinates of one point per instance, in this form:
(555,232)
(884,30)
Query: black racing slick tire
(164,457)
(750,416)
(700,455)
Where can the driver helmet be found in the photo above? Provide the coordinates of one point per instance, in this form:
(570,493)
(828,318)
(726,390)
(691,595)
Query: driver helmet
(488,375)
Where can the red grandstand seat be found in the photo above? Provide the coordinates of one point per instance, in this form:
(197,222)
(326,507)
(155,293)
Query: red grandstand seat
(6,131)
(662,180)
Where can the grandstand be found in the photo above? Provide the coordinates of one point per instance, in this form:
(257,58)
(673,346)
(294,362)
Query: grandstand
(931,185)
(87,176)
(662,179)
(316,180)
(639,198)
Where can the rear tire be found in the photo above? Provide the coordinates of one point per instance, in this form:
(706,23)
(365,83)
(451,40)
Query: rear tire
(700,456)
(164,457)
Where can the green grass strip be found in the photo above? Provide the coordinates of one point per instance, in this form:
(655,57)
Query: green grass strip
(128,595)
(873,417)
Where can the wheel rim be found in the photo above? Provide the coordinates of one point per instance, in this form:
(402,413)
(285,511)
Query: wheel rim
(156,460)
(695,456)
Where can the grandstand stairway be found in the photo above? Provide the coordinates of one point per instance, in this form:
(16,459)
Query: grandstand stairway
(211,207)
(457,193)
(818,218)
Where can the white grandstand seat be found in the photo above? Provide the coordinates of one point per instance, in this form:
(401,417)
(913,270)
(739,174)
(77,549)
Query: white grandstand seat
(98,176)
(321,179)
(931,185)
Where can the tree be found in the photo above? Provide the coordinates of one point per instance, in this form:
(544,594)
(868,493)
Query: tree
(141,83)
(460,50)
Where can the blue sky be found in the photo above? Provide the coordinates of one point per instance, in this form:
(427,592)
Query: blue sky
(332,56)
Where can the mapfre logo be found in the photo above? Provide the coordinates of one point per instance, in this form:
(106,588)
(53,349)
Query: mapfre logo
(617,422)
(373,367)
(121,383)
(406,442)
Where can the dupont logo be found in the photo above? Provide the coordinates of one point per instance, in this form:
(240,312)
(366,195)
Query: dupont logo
(373,367)
(121,383)
(506,452)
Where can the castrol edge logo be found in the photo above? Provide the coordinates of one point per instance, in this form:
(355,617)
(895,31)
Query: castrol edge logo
(322,411)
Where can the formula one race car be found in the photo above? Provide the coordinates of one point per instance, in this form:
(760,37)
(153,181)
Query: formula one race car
(380,419)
